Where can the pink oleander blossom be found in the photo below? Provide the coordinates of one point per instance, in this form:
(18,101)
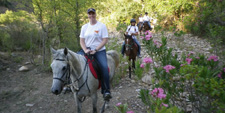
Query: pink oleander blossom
(213,57)
(159,45)
(155,42)
(118,104)
(188,60)
(197,57)
(142,65)
(191,53)
(147,60)
(148,32)
(130,112)
(141,37)
(158,92)
(168,68)
(219,75)
(147,38)
(166,105)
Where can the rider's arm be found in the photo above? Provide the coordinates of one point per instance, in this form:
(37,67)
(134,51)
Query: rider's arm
(83,46)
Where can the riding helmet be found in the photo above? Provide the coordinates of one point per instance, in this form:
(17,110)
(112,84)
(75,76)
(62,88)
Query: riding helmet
(146,12)
(132,20)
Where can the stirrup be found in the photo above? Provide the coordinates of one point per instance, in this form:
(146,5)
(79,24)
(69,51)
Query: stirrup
(107,96)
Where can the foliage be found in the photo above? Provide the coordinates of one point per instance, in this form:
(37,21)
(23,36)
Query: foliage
(197,78)
(17,30)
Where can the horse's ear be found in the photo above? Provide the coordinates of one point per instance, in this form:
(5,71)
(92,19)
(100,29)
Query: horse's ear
(53,50)
(65,51)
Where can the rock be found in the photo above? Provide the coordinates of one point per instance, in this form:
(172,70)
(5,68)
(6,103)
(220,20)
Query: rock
(4,55)
(8,69)
(26,63)
(23,68)
(132,81)
(147,79)
(39,56)
(29,105)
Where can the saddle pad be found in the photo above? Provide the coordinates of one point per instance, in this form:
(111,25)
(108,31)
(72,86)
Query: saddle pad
(93,67)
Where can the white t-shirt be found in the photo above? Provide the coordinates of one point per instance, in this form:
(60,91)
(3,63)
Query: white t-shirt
(146,18)
(132,29)
(141,19)
(94,34)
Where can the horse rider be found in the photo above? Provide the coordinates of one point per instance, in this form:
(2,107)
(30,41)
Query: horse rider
(132,30)
(93,38)
(147,19)
(140,20)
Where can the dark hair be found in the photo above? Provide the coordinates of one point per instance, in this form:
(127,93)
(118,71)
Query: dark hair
(146,12)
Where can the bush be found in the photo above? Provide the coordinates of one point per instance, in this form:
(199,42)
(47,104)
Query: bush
(17,31)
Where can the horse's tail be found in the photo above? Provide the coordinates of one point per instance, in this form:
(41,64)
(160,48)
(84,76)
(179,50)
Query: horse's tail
(115,56)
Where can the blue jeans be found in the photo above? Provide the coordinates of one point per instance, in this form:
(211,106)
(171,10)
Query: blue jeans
(100,56)
(139,47)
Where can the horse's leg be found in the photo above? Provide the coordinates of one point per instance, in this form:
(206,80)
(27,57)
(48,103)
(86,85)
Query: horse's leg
(133,63)
(94,98)
(129,68)
(79,103)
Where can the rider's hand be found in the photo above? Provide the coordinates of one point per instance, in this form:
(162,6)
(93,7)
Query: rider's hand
(87,51)
(92,52)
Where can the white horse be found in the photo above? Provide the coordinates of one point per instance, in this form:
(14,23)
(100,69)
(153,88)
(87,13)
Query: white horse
(68,65)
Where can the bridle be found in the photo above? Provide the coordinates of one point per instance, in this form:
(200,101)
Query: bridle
(129,46)
(67,74)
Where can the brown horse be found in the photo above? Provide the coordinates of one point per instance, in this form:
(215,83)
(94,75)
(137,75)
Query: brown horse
(131,50)
(144,28)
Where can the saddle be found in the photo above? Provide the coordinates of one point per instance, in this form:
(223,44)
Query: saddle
(94,68)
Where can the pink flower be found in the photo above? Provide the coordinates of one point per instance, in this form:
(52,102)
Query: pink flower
(159,45)
(219,75)
(142,37)
(155,42)
(161,95)
(142,65)
(168,68)
(147,32)
(118,104)
(130,112)
(197,57)
(147,60)
(158,92)
(213,57)
(147,38)
(191,53)
(181,65)
(166,105)
(188,60)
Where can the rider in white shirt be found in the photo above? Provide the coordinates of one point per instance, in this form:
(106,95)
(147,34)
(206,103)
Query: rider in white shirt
(132,30)
(147,19)
(141,20)
(93,38)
